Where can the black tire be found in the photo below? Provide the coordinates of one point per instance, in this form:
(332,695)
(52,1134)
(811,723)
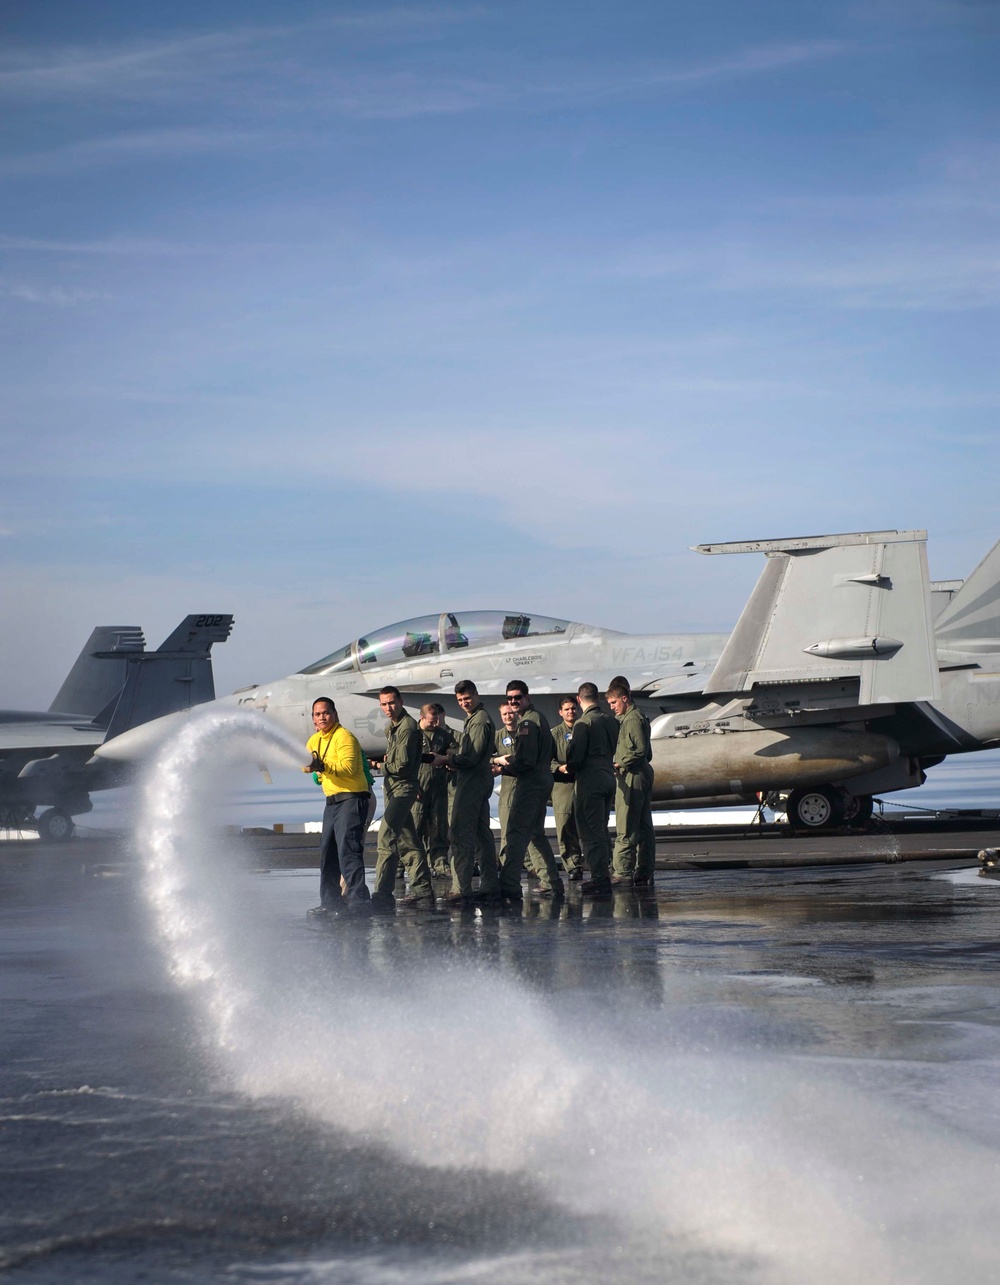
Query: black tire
(55,826)
(818,808)
(858,809)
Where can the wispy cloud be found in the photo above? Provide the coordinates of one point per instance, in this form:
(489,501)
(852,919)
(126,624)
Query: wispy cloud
(521,86)
(52,296)
(426,457)
(749,62)
(868,267)
(301,70)
(147,69)
(115,149)
(251,101)
(110,73)
(939,277)
(105,246)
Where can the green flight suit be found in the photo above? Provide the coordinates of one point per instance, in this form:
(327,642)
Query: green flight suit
(450,744)
(635,838)
(562,801)
(430,811)
(591,756)
(469,831)
(534,859)
(482,849)
(397,838)
(531,766)
(451,779)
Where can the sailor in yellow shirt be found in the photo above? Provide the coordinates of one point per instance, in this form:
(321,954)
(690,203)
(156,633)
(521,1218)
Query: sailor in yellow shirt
(338,762)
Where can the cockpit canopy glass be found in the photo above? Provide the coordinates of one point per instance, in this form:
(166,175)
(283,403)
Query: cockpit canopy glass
(337,662)
(396,643)
(486,628)
(428,635)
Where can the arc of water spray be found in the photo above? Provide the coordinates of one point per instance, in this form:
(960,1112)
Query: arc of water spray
(187,895)
(220,943)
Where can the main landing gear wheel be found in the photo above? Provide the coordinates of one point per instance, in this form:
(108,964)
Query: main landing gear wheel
(858,809)
(55,825)
(818,808)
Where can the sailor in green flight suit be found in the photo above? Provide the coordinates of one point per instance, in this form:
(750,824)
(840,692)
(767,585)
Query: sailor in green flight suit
(469,831)
(397,838)
(505,740)
(591,758)
(562,791)
(530,763)
(430,811)
(635,839)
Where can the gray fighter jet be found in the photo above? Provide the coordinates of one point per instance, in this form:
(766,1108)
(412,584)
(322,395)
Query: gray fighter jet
(426,656)
(114,685)
(848,674)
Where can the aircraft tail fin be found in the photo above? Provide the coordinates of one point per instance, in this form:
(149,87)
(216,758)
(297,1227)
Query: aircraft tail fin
(177,676)
(971,620)
(195,634)
(853,606)
(98,675)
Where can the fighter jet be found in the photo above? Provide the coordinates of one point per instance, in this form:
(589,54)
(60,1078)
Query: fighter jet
(115,685)
(426,656)
(848,674)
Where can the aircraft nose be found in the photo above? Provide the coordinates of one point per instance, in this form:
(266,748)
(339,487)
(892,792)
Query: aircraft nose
(139,742)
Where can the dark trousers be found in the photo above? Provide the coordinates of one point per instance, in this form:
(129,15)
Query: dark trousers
(342,848)
(593,798)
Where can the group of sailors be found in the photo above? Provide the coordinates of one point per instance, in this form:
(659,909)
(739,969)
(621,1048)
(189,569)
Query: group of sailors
(437,786)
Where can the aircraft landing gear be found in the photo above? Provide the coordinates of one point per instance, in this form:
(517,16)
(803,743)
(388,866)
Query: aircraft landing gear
(55,825)
(820,807)
(824,807)
(858,809)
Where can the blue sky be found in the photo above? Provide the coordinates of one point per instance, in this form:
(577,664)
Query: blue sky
(330,315)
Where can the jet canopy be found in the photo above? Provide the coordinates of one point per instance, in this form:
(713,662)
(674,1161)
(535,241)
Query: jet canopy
(435,635)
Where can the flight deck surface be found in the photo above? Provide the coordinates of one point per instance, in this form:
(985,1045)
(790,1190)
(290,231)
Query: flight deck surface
(729,847)
(756,1075)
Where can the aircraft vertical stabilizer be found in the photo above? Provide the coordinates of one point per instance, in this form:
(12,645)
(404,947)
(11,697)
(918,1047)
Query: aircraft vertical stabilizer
(971,620)
(177,676)
(96,679)
(836,607)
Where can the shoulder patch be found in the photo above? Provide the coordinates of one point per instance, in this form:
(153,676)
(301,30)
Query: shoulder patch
(523,730)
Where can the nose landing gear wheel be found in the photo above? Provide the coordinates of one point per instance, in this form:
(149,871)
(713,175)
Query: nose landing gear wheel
(818,808)
(55,825)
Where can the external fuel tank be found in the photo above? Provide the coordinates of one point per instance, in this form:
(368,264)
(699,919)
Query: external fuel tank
(703,764)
